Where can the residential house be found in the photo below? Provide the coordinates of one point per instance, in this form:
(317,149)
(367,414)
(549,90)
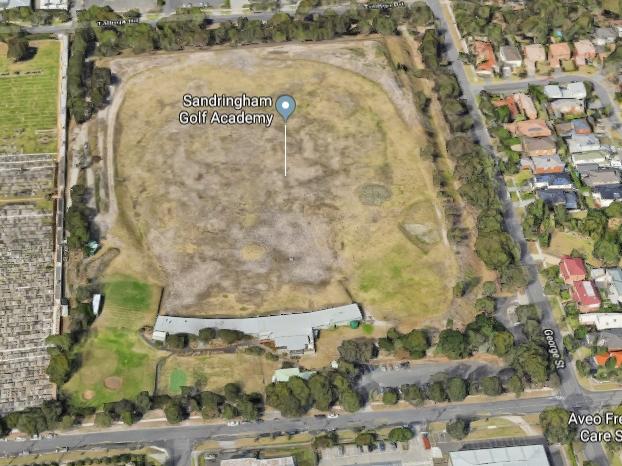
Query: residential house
(543,165)
(539,147)
(602,320)
(526,105)
(605,36)
(573,90)
(601,358)
(529,128)
(610,280)
(533,53)
(584,52)
(581,126)
(610,339)
(572,269)
(576,126)
(584,168)
(558,52)
(507,102)
(585,294)
(485,62)
(553,181)
(554,197)
(602,177)
(598,157)
(510,58)
(561,107)
(606,195)
(582,143)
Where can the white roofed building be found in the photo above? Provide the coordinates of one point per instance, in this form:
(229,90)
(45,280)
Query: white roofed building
(290,332)
(602,320)
(528,455)
(284,461)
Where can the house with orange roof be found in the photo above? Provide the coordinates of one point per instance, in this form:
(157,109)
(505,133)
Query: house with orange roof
(602,358)
(485,61)
(584,51)
(557,53)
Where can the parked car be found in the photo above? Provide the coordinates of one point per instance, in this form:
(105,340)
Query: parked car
(233,423)
(332,416)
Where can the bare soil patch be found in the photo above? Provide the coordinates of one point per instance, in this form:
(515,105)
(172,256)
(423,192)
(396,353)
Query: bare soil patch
(113,382)
(354,219)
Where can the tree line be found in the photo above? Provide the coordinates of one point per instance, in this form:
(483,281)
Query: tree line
(191,27)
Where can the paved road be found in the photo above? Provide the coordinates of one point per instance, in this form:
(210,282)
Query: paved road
(186,434)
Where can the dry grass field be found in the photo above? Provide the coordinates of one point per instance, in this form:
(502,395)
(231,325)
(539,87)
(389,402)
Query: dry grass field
(228,234)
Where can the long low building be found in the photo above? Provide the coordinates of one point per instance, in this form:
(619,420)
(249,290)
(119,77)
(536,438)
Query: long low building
(291,332)
(528,455)
(602,320)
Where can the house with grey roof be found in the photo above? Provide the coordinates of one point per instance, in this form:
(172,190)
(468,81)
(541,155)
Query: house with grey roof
(292,332)
(609,280)
(553,181)
(598,157)
(607,195)
(559,197)
(610,339)
(605,36)
(601,177)
(582,143)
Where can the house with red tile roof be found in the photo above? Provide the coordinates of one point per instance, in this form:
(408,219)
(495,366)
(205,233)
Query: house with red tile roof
(572,269)
(585,294)
(533,53)
(557,53)
(485,61)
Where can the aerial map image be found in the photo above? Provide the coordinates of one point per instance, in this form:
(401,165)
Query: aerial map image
(311,232)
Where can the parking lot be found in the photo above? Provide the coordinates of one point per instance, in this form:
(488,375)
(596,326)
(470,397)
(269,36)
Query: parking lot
(385,454)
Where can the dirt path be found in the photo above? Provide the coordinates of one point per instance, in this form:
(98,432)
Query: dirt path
(418,63)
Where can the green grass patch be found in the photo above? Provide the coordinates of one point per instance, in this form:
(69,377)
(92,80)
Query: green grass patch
(112,352)
(367,328)
(127,293)
(177,380)
(28,108)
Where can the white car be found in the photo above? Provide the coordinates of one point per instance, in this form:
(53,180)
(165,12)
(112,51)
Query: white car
(233,423)
(332,415)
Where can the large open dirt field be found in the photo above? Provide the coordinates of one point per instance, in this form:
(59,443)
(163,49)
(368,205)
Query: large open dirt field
(206,211)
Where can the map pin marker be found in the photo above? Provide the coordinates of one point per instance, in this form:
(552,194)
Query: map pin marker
(285,106)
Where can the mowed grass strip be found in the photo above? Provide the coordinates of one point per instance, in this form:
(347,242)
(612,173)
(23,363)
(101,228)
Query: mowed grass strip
(113,352)
(215,371)
(128,303)
(29,101)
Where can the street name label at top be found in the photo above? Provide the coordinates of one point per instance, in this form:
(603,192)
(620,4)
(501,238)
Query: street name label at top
(229,110)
